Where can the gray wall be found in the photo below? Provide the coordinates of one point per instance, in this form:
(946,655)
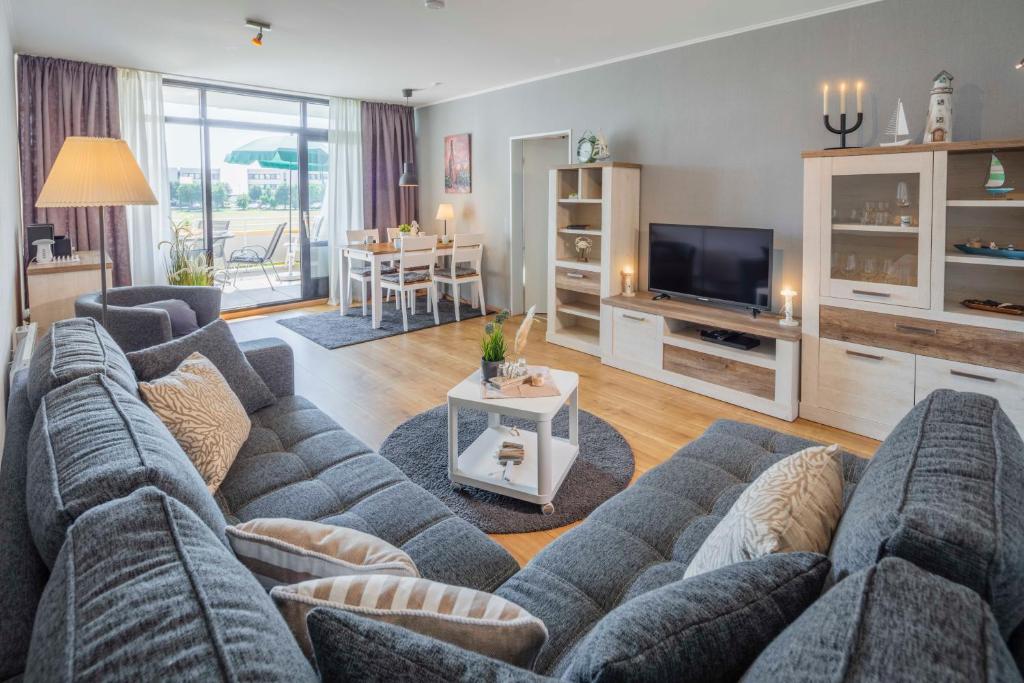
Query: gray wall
(719,126)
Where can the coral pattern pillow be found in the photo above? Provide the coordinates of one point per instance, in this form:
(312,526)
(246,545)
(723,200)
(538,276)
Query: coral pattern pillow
(468,618)
(795,505)
(284,551)
(202,413)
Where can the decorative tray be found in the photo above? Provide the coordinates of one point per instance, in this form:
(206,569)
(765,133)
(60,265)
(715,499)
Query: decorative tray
(994,306)
(985,251)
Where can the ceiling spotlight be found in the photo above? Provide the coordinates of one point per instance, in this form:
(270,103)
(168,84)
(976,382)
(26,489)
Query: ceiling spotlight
(260,28)
(1020,65)
(433,4)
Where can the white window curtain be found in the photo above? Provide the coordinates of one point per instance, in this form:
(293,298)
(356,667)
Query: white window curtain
(140,94)
(345,183)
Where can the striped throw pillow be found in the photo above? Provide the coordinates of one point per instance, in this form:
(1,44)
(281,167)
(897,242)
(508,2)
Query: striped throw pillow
(468,618)
(793,506)
(285,551)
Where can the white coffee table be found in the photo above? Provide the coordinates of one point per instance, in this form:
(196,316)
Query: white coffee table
(547,459)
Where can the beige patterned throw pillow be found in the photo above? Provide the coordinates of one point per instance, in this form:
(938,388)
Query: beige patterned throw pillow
(202,413)
(471,619)
(283,551)
(793,506)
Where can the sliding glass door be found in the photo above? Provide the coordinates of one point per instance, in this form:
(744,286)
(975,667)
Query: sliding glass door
(253,205)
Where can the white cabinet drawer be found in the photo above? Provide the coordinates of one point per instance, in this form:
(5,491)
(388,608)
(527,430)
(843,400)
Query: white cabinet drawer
(636,337)
(894,295)
(1004,386)
(864,381)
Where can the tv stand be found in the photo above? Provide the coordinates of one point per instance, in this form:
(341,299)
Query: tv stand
(661,339)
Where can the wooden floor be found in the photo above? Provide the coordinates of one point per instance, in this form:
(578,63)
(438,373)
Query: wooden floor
(372,388)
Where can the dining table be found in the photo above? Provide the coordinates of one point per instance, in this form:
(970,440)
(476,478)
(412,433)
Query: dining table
(375,254)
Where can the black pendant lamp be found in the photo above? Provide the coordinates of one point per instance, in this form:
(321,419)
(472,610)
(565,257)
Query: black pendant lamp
(409,178)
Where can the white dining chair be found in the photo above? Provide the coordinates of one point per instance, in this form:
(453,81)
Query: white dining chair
(415,272)
(465,268)
(359,269)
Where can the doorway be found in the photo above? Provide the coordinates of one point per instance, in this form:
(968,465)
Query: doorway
(531,157)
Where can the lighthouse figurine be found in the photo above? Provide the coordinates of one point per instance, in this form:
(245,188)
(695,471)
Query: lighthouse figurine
(940,110)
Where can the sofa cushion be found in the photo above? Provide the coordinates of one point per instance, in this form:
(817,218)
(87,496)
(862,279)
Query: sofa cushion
(216,342)
(350,647)
(74,348)
(890,622)
(946,492)
(282,551)
(793,506)
(23,569)
(471,619)
(298,463)
(710,627)
(202,414)
(92,442)
(183,318)
(644,537)
(143,590)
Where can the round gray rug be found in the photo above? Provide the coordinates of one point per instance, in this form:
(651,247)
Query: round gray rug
(419,447)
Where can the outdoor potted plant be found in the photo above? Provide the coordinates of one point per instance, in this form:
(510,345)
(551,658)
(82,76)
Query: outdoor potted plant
(493,347)
(186,265)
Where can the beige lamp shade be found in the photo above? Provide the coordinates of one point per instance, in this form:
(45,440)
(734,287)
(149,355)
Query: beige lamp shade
(445,212)
(95,172)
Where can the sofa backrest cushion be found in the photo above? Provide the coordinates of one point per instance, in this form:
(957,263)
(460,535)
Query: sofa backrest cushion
(890,622)
(216,342)
(23,569)
(706,628)
(142,590)
(92,442)
(74,348)
(946,492)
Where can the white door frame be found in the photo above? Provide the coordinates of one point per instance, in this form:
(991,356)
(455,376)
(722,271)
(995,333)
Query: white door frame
(516,229)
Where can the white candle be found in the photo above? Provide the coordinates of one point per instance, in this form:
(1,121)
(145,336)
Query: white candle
(860,97)
(825,99)
(842,97)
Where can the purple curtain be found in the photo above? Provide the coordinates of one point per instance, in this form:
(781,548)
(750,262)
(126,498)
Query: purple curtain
(389,140)
(58,98)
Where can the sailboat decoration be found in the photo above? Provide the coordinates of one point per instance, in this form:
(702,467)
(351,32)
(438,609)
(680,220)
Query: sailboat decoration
(997,178)
(897,127)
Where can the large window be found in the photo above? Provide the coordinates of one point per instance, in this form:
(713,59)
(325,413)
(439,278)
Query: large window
(248,177)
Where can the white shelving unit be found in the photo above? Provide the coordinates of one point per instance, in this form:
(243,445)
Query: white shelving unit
(605,198)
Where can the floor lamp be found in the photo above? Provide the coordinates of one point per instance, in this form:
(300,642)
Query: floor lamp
(95,172)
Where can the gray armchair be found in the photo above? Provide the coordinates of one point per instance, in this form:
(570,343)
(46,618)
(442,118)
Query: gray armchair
(136,327)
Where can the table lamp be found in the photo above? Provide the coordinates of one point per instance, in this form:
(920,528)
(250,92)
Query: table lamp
(95,172)
(787,310)
(445,212)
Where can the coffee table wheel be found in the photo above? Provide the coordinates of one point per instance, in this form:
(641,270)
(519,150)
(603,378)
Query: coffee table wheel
(547,509)
(456,486)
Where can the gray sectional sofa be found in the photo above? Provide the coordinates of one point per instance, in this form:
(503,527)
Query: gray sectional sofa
(116,568)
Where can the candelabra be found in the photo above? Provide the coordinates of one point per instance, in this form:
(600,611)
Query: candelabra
(843,131)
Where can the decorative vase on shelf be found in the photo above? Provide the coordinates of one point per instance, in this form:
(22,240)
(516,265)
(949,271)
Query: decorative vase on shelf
(583,245)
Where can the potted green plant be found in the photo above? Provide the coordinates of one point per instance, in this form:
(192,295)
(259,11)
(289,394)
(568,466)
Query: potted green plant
(493,347)
(184,266)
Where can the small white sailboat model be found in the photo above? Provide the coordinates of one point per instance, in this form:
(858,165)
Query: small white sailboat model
(996,184)
(897,127)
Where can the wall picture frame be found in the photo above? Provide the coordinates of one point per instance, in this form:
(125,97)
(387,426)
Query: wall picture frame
(458,164)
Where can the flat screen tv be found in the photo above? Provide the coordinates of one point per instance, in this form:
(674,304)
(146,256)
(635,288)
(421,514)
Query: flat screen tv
(720,265)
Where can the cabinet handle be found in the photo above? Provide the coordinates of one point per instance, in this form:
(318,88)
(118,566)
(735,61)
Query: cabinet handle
(864,292)
(980,378)
(634,317)
(860,354)
(575,275)
(916,330)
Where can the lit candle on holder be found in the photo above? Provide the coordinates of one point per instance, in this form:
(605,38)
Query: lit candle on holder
(842,97)
(627,282)
(787,309)
(825,99)
(860,96)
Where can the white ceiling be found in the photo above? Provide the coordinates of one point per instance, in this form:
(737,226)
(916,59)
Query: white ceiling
(371,49)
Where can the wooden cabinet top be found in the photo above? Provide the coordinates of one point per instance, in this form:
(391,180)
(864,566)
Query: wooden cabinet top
(88,260)
(952,147)
(764,325)
(600,164)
